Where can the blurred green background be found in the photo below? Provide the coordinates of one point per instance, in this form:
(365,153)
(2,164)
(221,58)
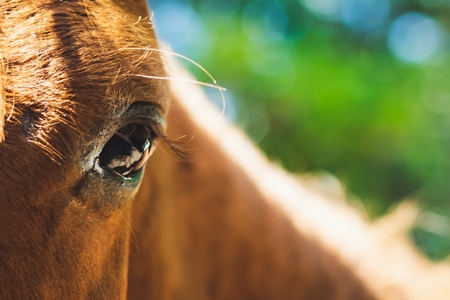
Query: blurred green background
(359,88)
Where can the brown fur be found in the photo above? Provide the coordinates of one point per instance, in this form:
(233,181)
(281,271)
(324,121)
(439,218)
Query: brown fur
(65,229)
(218,226)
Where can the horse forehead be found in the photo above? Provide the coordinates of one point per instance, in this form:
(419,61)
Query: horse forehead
(81,50)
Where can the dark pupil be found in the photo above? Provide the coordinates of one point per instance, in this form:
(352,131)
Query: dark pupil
(125,151)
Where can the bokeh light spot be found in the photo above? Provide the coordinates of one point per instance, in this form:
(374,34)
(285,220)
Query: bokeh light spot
(365,15)
(178,24)
(324,9)
(414,37)
(264,23)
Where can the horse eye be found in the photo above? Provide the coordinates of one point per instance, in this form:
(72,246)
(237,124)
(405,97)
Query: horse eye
(127,151)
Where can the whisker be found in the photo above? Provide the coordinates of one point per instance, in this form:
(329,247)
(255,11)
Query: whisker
(147,49)
(214,85)
(217,87)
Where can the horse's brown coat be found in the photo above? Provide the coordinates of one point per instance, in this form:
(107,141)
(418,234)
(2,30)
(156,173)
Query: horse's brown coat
(213,227)
(66,82)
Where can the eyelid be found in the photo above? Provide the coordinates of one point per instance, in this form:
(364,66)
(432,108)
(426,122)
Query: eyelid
(146,114)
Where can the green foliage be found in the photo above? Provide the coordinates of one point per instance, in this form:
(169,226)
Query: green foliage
(434,245)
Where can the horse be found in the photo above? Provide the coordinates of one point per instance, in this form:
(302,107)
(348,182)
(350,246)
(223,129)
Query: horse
(96,203)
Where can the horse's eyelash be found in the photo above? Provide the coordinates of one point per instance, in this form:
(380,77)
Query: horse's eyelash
(176,146)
